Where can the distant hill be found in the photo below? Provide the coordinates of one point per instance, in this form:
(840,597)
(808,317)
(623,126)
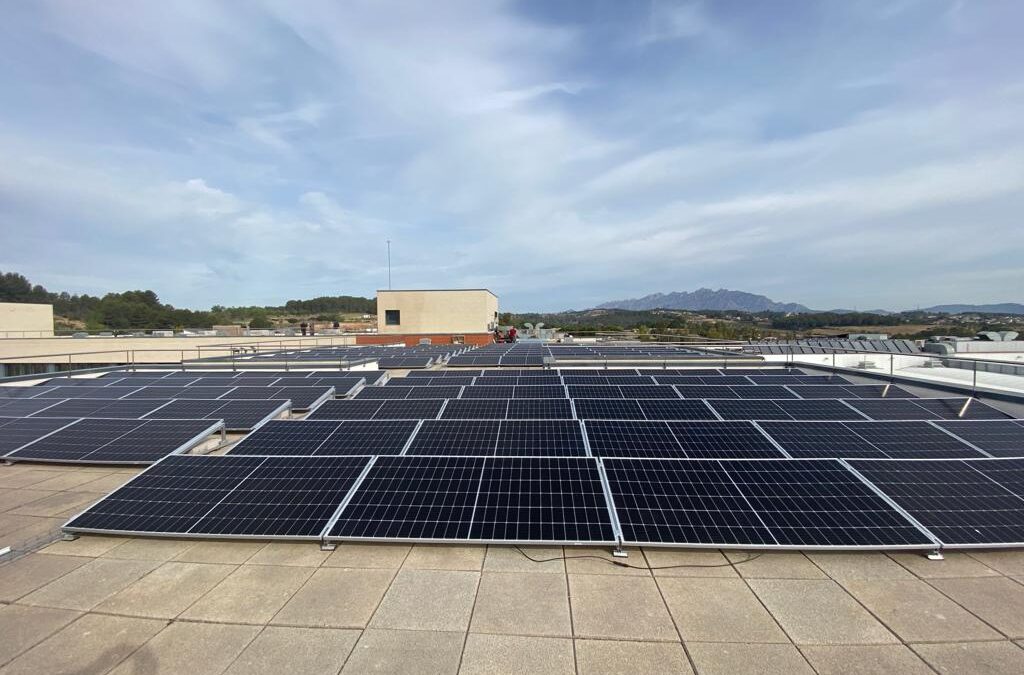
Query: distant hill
(706,298)
(998,308)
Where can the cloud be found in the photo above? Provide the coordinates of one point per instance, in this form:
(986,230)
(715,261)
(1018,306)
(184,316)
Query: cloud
(250,153)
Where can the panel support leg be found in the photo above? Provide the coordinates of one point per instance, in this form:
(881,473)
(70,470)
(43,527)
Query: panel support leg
(936,555)
(327,546)
(620,552)
(68,536)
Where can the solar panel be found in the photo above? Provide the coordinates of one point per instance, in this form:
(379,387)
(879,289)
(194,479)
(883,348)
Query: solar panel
(594,391)
(16,432)
(219,381)
(675,409)
(422,409)
(488,392)
(704,391)
(723,440)
(1001,438)
(428,498)
(818,409)
(632,438)
(228,496)
(539,391)
(820,503)
(479,408)
(660,501)
(607,409)
(434,392)
(794,503)
(383,393)
(179,392)
(7,392)
(947,408)
(456,437)
(327,437)
(24,407)
(112,392)
(647,391)
(870,440)
(237,415)
(124,408)
(107,441)
(346,409)
(540,438)
(749,409)
(286,437)
(539,408)
(959,504)
(369,437)
(541,499)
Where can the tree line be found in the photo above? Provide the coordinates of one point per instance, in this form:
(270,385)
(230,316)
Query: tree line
(143,309)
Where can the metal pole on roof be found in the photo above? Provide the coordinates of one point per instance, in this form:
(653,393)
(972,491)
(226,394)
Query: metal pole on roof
(389,264)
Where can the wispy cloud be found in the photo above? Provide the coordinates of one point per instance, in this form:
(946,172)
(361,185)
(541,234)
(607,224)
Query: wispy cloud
(251,152)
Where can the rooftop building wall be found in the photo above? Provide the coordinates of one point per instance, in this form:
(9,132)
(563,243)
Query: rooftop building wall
(434,312)
(23,319)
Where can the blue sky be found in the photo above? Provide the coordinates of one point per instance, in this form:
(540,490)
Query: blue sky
(838,154)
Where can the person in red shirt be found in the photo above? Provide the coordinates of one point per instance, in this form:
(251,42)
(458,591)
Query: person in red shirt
(512,334)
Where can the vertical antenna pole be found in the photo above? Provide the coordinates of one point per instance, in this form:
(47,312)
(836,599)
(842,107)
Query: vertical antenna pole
(389,264)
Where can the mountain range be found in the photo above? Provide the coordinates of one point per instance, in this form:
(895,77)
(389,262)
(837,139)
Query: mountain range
(741,301)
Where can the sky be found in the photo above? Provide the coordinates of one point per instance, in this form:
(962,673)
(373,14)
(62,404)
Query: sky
(858,154)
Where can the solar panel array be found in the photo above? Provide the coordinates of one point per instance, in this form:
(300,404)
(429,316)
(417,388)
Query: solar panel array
(789,460)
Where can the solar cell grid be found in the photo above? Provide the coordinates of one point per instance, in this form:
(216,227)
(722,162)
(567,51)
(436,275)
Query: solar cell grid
(540,438)
(820,503)
(284,497)
(723,440)
(456,437)
(409,410)
(382,393)
(286,437)
(642,391)
(542,499)
(1001,438)
(539,391)
(675,409)
(594,391)
(633,438)
(124,408)
(346,409)
(111,441)
(819,409)
(111,392)
(169,497)
(237,415)
(12,392)
(16,432)
(607,409)
(897,409)
(682,502)
(428,498)
(25,407)
(488,392)
(705,391)
(953,408)
(544,408)
(749,409)
(958,504)
(481,408)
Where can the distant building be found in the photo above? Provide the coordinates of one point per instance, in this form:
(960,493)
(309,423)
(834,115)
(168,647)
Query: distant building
(440,315)
(25,319)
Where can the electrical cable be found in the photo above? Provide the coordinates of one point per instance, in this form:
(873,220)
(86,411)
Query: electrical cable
(619,563)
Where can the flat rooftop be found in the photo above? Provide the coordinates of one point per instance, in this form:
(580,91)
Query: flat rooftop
(114,604)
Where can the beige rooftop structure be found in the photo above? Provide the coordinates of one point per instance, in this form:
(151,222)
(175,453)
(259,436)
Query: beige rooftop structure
(24,319)
(436,311)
